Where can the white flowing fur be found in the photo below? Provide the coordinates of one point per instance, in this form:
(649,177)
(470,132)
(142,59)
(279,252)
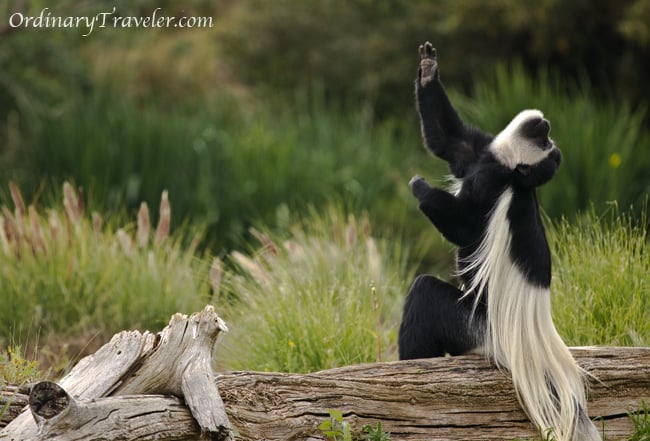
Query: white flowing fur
(521,337)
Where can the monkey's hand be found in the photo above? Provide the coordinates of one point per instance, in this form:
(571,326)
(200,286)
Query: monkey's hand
(428,70)
(419,187)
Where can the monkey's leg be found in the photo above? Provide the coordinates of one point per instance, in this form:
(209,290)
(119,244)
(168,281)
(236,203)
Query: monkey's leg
(436,321)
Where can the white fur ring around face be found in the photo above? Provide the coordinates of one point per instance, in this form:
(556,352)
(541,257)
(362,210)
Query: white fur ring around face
(512,148)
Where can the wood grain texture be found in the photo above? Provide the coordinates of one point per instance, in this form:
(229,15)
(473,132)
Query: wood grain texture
(455,398)
(146,387)
(12,402)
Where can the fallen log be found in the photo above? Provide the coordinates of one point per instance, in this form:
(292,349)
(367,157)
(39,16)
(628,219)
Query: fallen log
(454,398)
(176,362)
(445,398)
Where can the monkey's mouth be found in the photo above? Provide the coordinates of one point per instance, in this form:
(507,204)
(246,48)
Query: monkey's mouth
(556,155)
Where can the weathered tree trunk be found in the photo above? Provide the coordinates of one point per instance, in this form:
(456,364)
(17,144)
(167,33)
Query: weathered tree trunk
(455,398)
(446,398)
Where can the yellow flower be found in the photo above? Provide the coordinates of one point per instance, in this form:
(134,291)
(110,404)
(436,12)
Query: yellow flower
(614,160)
(291,344)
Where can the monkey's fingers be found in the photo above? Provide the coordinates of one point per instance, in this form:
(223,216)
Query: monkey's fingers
(427,50)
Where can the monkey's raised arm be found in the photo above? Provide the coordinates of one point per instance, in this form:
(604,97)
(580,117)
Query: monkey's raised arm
(444,133)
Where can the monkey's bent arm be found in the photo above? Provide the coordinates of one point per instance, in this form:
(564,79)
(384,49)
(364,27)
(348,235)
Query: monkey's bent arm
(445,211)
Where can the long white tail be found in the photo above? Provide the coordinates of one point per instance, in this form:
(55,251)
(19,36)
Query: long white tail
(521,337)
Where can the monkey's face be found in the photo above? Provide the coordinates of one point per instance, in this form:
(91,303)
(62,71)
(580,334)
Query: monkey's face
(524,147)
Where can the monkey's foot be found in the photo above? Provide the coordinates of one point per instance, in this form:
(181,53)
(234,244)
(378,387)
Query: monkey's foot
(428,70)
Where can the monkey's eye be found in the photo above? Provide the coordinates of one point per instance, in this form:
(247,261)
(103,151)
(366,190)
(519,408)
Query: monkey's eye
(523,169)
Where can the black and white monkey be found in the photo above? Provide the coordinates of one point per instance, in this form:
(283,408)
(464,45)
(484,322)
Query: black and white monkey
(502,305)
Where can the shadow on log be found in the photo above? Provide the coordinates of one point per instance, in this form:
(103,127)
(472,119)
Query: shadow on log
(145,387)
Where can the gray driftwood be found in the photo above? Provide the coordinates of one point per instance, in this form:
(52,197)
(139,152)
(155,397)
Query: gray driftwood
(456,398)
(175,362)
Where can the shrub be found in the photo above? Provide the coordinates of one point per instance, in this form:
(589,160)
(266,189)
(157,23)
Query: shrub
(16,368)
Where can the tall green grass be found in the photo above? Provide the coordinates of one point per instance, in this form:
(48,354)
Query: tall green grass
(64,272)
(325,294)
(304,300)
(602,280)
(322,292)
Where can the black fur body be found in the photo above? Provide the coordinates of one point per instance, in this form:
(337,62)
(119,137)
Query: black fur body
(503,257)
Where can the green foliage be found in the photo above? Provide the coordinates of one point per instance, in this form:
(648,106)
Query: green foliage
(367,48)
(371,433)
(223,168)
(605,147)
(66,273)
(123,154)
(360,49)
(152,128)
(336,429)
(327,295)
(601,280)
(38,64)
(635,24)
(641,421)
(15,368)
(227,169)
(43,65)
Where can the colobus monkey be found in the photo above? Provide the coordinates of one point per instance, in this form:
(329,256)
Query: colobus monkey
(502,305)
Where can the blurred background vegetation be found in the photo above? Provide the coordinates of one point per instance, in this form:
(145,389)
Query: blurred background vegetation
(283,107)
